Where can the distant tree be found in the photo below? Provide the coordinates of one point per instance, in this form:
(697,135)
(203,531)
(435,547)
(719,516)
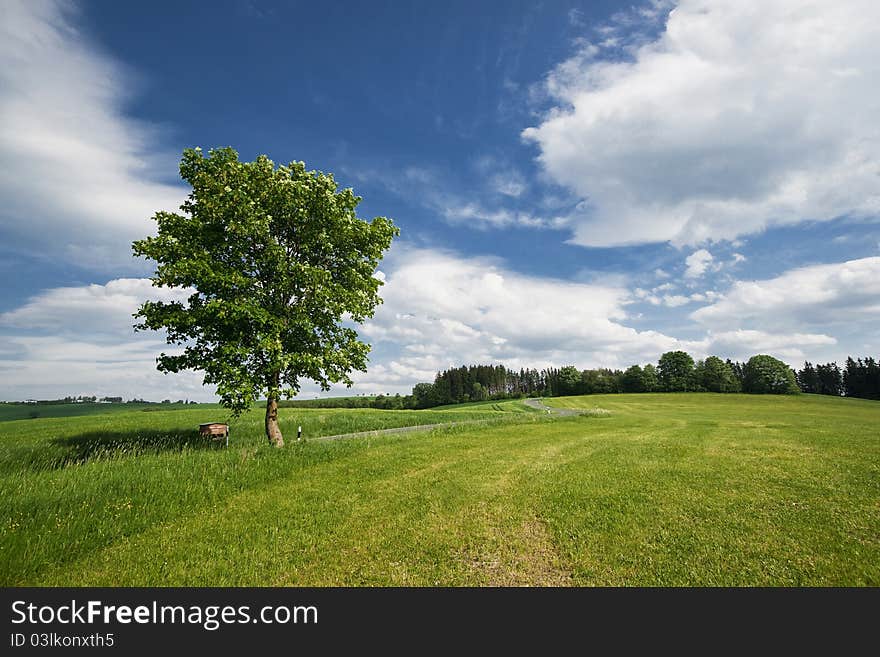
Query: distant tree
(764,374)
(633,380)
(853,377)
(675,371)
(697,374)
(612,379)
(738,371)
(569,381)
(807,379)
(423,395)
(649,374)
(479,392)
(861,378)
(278,264)
(830,379)
(717,376)
(871,389)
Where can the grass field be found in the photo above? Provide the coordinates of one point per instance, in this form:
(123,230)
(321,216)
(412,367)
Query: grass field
(35,411)
(678,489)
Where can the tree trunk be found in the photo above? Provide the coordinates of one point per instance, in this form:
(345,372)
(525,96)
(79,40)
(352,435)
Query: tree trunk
(273,431)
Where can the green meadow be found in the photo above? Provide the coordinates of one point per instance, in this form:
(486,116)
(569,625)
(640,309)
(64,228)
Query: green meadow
(663,489)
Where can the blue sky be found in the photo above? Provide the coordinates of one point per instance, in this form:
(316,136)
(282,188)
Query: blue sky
(588,183)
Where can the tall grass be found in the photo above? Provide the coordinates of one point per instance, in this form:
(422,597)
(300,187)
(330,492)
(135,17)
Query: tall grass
(75,484)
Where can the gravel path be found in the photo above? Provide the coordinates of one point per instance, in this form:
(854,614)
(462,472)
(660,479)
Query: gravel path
(562,412)
(533,403)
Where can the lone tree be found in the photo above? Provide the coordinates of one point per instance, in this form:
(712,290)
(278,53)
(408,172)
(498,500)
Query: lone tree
(278,264)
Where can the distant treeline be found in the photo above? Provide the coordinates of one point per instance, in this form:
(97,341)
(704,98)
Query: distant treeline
(86,399)
(857,378)
(676,371)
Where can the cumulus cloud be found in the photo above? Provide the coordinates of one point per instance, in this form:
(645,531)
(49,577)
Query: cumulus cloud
(72,165)
(845,293)
(738,116)
(442,309)
(697,263)
(675,300)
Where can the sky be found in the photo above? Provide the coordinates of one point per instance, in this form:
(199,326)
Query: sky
(576,183)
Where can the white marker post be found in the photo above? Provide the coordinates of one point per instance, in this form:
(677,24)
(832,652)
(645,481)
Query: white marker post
(299,433)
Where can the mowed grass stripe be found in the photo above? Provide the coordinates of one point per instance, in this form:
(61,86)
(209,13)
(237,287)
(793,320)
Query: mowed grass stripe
(70,489)
(788,494)
(447,509)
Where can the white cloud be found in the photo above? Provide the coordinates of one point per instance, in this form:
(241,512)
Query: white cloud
(846,293)
(78,178)
(480,217)
(508,183)
(436,191)
(675,300)
(708,295)
(94,310)
(645,295)
(697,263)
(741,344)
(441,309)
(739,116)
(79,340)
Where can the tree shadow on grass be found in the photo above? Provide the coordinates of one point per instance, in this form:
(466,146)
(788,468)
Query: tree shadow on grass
(57,453)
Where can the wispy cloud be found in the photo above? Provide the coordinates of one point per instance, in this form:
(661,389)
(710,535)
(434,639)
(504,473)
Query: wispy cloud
(79,179)
(486,207)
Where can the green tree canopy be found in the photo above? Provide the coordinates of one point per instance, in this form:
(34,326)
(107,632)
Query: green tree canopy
(649,374)
(569,381)
(279,266)
(675,371)
(807,378)
(717,376)
(764,374)
(633,380)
